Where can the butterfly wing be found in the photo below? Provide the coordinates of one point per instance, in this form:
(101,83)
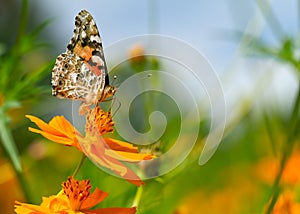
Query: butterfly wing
(80,73)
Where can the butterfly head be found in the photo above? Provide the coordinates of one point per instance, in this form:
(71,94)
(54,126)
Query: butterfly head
(109,91)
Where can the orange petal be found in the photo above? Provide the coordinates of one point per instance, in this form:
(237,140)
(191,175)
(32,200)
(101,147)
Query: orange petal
(120,145)
(128,156)
(62,124)
(23,208)
(58,130)
(42,125)
(55,138)
(97,153)
(95,198)
(56,204)
(98,156)
(58,125)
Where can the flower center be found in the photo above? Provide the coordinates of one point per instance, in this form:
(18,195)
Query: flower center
(76,191)
(100,121)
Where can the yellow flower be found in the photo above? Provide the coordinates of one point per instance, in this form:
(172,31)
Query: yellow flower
(107,152)
(75,199)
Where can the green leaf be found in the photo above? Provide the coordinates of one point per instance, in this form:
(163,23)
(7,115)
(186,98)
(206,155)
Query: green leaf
(24,88)
(40,28)
(8,141)
(11,104)
(286,51)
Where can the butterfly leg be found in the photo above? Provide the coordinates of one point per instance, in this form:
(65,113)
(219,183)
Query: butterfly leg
(84,108)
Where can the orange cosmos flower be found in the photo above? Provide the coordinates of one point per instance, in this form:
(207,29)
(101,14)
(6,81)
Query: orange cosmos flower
(286,203)
(106,152)
(268,167)
(59,130)
(75,199)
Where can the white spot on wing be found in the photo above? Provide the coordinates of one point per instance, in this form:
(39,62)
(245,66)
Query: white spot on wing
(95,38)
(83,34)
(73,77)
(98,60)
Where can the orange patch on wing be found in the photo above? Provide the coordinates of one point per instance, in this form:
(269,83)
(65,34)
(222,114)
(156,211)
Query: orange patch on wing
(84,52)
(94,68)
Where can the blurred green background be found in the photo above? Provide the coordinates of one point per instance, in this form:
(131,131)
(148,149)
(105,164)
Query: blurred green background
(253,46)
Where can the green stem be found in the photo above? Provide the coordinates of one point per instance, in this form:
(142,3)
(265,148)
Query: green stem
(289,144)
(13,156)
(79,165)
(271,134)
(24,186)
(138,196)
(23,22)
(8,142)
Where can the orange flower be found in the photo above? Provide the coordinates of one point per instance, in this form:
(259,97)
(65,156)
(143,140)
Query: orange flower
(100,121)
(268,167)
(137,54)
(286,203)
(58,130)
(106,152)
(75,199)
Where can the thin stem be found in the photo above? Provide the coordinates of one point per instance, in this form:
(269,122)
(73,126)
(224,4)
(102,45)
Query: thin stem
(24,186)
(138,196)
(290,141)
(270,131)
(79,165)
(23,22)
(10,146)
(8,142)
(17,168)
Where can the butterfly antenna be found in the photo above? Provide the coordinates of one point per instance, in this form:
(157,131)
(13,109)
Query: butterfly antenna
(112,83)
(115,84)
(119,106)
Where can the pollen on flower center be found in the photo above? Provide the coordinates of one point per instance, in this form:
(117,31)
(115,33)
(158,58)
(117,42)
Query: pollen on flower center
(76,191)
(99,120)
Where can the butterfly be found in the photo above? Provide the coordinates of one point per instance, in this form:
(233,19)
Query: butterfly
(80,73)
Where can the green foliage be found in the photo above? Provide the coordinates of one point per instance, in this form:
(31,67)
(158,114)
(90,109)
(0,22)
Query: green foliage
(284,53)
(249,141)
(20,80)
